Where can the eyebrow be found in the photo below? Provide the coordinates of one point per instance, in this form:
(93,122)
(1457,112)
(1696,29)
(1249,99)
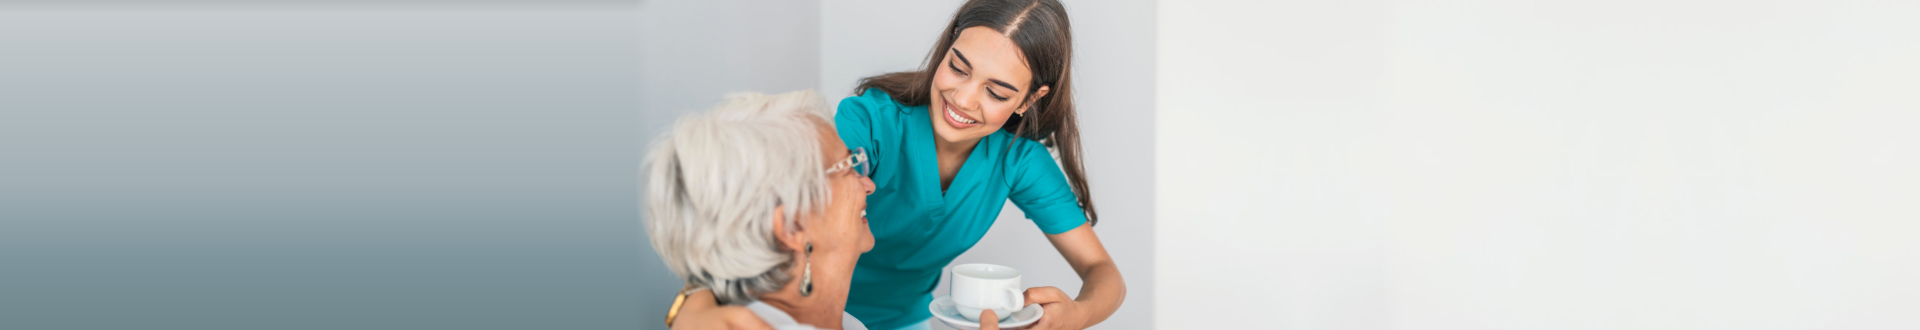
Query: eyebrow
(963,59)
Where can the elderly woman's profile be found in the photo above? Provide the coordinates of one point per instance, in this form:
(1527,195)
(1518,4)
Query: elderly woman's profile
(759,201)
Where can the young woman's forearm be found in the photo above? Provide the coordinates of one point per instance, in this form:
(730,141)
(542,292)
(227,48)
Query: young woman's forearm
(1101,288)
(1101,292)
(701,311)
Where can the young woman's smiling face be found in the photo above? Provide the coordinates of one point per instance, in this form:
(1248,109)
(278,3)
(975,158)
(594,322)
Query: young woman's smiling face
(982,81)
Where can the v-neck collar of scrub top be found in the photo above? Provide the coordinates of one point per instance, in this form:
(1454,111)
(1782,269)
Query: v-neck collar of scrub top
(966,180)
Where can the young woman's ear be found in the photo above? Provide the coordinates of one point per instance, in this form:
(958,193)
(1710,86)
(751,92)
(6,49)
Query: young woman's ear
(1032,99)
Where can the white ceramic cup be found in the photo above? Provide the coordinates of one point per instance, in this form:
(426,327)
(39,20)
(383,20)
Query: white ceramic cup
(979,287)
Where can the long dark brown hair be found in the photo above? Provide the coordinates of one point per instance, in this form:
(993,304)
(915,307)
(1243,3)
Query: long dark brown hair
(1041,31)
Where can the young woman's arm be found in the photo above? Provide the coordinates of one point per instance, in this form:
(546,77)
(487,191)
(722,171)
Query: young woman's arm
(701,311)
(1101,289)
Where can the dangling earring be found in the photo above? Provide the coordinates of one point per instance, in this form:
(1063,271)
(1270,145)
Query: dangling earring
(806,279)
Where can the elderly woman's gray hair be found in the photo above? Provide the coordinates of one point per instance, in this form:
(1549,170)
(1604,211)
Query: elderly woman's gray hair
(712,183)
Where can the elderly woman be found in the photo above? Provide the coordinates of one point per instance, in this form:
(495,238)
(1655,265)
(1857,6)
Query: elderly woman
(759,201)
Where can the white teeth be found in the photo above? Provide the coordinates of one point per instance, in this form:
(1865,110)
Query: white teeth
(956,117)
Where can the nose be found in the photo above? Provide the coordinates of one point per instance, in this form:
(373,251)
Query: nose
(966,97)
(867,184)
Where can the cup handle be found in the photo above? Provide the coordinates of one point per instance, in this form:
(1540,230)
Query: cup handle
(1019,299)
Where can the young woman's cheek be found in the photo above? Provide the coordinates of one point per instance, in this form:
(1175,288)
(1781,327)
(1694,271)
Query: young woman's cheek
(944,80)
(1000,115)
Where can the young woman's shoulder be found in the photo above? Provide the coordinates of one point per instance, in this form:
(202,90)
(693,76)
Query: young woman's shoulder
(873,121)
(1037,185)
(1023,155)
(1019,147)
(872,102)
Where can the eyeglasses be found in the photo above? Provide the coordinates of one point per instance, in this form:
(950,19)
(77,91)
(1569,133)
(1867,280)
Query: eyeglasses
(857,162)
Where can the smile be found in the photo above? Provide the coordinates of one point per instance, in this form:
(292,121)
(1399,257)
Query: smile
(957,117)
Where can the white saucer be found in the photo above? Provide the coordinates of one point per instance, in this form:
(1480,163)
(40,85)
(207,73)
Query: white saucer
(944,310)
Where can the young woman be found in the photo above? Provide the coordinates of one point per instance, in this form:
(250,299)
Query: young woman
(949,145)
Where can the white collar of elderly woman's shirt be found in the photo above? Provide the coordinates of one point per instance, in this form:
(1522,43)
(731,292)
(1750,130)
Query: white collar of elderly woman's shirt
(781,321)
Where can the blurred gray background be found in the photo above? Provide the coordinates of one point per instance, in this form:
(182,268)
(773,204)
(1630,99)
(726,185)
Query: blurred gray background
(321,165)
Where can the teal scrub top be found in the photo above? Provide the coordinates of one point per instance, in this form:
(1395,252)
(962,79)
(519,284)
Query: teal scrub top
(917,229)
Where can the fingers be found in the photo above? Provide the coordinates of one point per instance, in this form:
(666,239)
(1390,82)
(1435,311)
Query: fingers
(1048,298)
(1046,294)
(1046,320)
(989,320)
(716,318)
(740,318)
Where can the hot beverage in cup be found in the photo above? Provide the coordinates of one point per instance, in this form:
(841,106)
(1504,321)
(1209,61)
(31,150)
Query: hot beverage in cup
(978,287)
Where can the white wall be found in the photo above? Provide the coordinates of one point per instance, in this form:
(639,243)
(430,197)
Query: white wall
(1114,77)
(1525,165)
(861,38)
(694,52)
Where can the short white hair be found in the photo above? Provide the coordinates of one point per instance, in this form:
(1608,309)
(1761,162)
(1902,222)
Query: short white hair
(712,182)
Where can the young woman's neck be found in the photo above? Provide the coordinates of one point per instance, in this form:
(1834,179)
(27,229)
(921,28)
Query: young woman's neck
(952,155)
(957,150)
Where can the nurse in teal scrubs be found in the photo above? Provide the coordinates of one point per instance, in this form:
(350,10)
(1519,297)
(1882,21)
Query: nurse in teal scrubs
(949,145)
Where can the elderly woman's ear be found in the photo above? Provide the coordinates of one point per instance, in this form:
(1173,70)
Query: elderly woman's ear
(794,239)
